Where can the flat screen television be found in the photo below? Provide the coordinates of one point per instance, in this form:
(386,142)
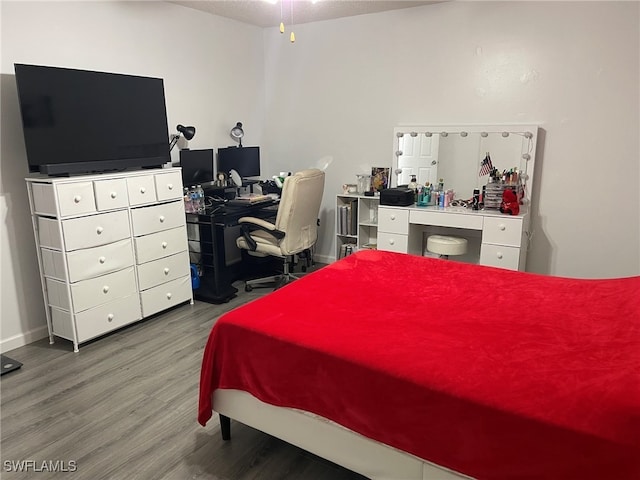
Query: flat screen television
(244,160)
(80,121)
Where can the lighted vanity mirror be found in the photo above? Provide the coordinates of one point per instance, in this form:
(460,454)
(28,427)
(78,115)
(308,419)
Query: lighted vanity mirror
(456,153)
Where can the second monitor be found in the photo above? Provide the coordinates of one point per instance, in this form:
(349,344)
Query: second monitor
(244,160)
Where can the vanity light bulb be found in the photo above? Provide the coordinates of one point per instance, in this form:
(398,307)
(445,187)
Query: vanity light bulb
(463,134)
(281,27)
(414,134)
(399,134)
(427,134)
(398,153)
(526,156)
(484,134)
(505,134)
(444,134)
(528,134)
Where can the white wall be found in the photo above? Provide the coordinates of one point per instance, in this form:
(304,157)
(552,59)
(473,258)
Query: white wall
(207,84)
(335,95)
(572,67)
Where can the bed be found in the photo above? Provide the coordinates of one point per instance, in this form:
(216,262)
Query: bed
(399,367)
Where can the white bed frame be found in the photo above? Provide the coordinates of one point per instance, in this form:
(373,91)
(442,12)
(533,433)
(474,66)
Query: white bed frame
(328,440)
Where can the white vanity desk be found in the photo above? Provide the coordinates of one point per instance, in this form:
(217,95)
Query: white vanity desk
(455,153)
(495,239)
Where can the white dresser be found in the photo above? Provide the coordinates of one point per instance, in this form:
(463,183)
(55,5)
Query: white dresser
(495,239)
(112,249)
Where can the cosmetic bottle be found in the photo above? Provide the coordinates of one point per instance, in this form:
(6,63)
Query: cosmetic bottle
(476,200)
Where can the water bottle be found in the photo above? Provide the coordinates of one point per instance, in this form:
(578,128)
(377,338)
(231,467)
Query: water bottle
(200,192)
(193,193)
(188,204)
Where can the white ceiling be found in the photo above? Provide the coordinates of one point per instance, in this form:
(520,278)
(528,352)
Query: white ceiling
(263,13)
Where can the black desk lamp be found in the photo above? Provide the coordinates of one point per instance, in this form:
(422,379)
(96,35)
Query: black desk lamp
(237,133)
(188,132)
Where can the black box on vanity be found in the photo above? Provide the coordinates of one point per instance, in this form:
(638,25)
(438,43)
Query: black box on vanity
(398,197)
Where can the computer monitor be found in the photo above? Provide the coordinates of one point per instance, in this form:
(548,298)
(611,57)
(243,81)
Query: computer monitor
(244,160)
(197,166)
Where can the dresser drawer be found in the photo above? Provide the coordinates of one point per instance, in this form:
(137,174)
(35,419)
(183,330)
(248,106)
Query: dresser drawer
(165,216)
(500,256)
(72,198)
(393,242)
(163,270)
(89,262)
(502,231)
(94,230)
(166,295)
(169,185)
(75,198)
(111,194)
(141,189)
(91,293)
(393,220)
(105,318)
(161,244)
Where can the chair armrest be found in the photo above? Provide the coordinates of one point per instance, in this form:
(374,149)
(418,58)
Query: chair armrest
(251,223)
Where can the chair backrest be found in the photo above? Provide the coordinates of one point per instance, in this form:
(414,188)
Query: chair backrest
(299,209)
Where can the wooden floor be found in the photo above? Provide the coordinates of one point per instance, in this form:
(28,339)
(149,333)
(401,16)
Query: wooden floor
(125,407)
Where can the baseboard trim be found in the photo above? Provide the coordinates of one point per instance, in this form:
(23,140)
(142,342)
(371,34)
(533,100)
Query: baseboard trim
(324,259)
(8,344)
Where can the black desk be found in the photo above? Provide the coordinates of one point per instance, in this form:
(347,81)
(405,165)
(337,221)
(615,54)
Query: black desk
(220,260)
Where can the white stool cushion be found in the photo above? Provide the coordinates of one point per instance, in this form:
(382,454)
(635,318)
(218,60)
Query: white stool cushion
(445,245)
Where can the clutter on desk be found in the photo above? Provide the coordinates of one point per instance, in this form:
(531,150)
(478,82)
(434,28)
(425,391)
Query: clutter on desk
(350,188)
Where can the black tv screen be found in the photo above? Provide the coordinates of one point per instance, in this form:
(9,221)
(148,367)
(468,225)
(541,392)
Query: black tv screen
(244,160)
(79,121)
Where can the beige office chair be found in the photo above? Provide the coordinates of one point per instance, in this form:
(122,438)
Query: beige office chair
(295,231)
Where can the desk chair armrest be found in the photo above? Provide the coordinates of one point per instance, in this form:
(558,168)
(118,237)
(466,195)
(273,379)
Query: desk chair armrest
(251,223)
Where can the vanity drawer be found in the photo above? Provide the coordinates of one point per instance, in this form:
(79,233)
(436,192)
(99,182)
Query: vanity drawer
(166,295)
(502,231)
(141,189)
(393,242)
(165,216)
(163,270)
(111,194)
(161,244)
(500,256)
(393,220)
(169,185)
(446,219)
(105,318)
(89,262)
(94,230)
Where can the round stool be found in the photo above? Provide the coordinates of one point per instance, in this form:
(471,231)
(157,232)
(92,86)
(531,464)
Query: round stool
(445,245)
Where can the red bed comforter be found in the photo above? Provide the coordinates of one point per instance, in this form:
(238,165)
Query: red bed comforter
(493,373)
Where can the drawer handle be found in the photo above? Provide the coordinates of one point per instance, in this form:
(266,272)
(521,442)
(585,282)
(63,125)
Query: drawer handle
(99,230)
(169,296)
(499,254)
(142,189)
(161,218)
(102,259)
(502,227)
(166,271)
(393,217)
(164,244)
(77,198)
(105,289)
(170,186)
(110,317)
(392,241)
(114,194)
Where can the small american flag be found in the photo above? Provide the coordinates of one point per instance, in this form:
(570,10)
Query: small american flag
(486,166)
